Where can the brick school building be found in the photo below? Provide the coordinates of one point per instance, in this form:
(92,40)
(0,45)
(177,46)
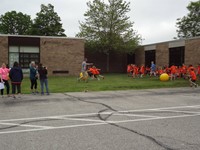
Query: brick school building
(61,55)
(175,52)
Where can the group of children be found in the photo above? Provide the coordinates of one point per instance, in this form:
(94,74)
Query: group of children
(174,72)
(136,71)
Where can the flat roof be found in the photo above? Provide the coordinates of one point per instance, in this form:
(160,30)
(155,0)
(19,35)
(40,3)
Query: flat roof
(37,36)
(176,40)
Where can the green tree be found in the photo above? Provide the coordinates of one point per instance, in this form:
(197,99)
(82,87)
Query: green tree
(15,23)
(107,28)
(47,22)
(189,26)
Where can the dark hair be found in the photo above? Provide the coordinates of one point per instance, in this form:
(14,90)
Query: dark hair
(7,66)
(40,65)
(16,64)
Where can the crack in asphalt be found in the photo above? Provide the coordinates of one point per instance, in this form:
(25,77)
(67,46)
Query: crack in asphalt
(100,116)
(159,143)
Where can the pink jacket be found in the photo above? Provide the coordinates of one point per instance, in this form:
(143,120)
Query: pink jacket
(4,72)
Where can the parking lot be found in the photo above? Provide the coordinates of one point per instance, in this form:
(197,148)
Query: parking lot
(116,120)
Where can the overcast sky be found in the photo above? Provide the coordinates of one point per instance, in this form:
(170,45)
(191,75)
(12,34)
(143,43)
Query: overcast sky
(155,20)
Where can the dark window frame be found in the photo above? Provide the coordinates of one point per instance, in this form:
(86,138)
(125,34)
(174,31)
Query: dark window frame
(150,55)
(177,56)
(26,58)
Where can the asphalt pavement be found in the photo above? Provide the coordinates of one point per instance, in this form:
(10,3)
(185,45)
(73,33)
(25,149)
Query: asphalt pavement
(154,119)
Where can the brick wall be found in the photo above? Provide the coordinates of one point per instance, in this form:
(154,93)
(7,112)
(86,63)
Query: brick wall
(162,54)
(3,50)
(192,51)
(62,54)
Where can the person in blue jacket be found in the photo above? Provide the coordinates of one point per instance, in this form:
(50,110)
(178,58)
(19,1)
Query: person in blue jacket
(33,77)
(153,69)
(16,77)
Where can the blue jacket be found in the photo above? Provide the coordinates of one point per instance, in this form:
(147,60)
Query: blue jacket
(16,75)
(33,73)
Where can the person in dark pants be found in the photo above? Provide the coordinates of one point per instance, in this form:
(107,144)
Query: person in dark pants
(33,77)
(1,86)
(43,78)
(4,73)
(16,77)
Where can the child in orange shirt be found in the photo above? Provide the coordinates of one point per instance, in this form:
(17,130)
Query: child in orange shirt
(184,71)
(90,72)
(173,72)
(193,78)
(129,69)
(136,71)
(96,73)
(142,71)
(160,71)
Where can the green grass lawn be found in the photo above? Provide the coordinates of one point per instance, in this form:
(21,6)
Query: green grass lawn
(110,83)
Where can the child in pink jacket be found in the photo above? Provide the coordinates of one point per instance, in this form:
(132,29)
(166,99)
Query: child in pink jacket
(4,74)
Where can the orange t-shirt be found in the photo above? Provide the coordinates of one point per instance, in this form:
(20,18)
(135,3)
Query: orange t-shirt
(184,69)
(142,69)
(92,70)
(173,69)
(96,71)
(129,68)
(136,70)
(160,71)
(193,75)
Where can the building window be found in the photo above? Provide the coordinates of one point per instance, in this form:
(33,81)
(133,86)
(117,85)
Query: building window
(23,55)
(26,58)
(150,55)
(176,56)
(12,58)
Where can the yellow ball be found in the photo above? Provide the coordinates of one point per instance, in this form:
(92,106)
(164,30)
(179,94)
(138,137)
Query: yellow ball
(83,78)
(164,77)
(81,75)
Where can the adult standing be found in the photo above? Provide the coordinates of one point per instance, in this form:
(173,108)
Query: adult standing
(84,66)
(84,69)
(16,77)
(43,78)
(153,69)
(4,73)
(33,77)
